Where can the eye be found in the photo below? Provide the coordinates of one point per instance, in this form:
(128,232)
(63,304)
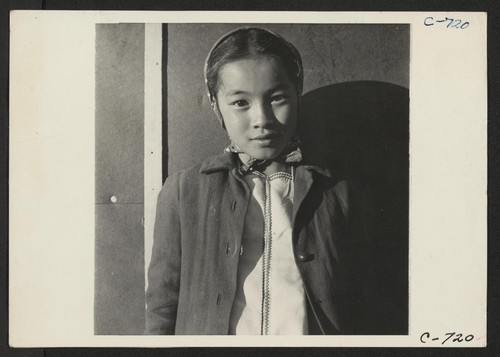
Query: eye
(241,103)
(279,98)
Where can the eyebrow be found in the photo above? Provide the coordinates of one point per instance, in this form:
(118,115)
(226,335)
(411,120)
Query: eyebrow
(280,86)
(236,92)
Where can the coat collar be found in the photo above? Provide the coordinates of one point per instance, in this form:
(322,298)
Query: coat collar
(229,161)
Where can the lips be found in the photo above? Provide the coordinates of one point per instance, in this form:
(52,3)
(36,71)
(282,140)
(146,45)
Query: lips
(266,140)
(268,136)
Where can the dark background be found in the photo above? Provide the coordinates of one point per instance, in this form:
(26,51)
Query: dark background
(420,5)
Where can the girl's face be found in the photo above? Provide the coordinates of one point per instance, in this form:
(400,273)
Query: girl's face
(258,103)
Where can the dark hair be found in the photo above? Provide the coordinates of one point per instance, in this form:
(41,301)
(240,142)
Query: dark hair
(252,42)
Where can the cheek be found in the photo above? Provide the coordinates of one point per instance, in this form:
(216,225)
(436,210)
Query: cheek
(287,115)
(235,126)
(227,117)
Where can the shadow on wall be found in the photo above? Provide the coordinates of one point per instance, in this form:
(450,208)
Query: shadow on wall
(361,129)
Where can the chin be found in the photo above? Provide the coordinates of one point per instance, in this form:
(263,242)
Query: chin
(265,153)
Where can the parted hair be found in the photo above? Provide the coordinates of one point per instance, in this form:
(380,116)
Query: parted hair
(251,42)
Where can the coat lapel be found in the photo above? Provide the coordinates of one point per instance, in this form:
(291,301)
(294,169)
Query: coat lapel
(302,185)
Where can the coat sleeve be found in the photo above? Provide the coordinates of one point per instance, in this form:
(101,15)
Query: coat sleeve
(162,294)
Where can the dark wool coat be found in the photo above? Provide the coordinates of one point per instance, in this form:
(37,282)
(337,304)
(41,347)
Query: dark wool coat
(198,233)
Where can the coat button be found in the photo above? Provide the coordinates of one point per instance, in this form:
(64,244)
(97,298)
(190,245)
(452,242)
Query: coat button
(305,257)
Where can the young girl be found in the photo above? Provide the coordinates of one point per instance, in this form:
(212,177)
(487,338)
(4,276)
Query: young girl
(262,239)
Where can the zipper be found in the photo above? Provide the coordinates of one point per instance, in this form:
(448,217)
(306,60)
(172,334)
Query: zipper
(266,258)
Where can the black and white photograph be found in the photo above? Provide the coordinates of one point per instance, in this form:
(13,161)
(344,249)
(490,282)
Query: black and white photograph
(295,220)
(248,174)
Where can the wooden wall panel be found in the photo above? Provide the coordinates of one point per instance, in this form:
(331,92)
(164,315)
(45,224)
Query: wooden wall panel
(120,113)
(119,179)
(119,279)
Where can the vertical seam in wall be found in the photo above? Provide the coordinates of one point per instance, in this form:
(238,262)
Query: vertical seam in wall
(164,76)
(152,131)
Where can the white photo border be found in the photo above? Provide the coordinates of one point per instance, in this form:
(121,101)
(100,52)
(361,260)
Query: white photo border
(52,178)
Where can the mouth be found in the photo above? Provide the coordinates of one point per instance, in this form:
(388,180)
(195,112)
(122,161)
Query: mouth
(265,140)
(269,136)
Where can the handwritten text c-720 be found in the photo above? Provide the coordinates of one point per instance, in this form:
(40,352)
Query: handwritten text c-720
(447,21)
(447,338)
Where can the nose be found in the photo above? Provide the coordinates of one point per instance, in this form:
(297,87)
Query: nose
(262,116)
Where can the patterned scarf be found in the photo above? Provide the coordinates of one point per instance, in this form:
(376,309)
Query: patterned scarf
(291,153)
